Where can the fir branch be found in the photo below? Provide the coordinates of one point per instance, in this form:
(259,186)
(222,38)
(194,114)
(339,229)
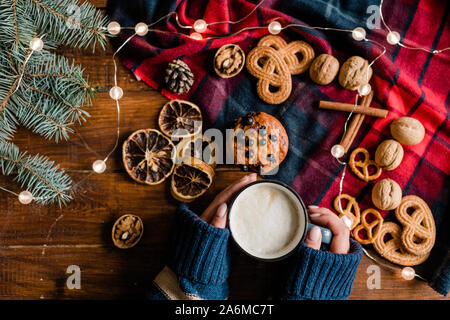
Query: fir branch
(16,28)
(81,28)
(45,120)
(41,176)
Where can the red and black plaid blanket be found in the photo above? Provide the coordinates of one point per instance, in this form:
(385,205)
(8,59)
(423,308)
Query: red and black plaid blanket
(406,82)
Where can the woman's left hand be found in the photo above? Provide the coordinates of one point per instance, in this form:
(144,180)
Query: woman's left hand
(326,218)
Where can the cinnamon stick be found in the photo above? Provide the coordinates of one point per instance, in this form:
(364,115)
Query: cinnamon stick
(355,123)
(348,107)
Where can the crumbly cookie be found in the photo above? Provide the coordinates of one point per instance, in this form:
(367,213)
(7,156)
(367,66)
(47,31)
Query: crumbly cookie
(386,194)
(354,73)
(389,154)
(324,69)
(260,142)
(407,130)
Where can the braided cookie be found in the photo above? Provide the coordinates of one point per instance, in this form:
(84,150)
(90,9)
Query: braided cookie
(392,249)
(419,230)
(289,52)
(273,61)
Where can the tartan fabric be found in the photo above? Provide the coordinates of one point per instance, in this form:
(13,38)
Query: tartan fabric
(407,82)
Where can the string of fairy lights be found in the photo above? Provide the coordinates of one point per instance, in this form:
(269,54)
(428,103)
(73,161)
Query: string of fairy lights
(199,29)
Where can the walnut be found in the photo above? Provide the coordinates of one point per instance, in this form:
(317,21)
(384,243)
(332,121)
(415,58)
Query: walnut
(324,69)
(127,231)
(354,73)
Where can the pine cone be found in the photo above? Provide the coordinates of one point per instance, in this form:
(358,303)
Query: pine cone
(179,77)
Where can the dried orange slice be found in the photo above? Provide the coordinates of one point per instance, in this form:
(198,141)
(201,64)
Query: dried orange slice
(198,147)
(191,180)
(180,118)
(148,156)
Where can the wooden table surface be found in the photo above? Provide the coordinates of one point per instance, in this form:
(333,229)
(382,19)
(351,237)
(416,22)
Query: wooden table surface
(38,244)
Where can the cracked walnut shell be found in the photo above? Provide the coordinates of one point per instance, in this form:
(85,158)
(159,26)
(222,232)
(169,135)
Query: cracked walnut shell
(229,60)
(127,231)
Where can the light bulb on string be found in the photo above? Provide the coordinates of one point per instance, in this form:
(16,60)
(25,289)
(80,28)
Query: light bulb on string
(116,93)
(348,221)
(113,28)
(196,36)
(337,151)
(364,89)
(141,29)
(359,33)
(408,273)
(200,26)
(25,197)
(99,166)
(36,44)
(393,37)
(274,27)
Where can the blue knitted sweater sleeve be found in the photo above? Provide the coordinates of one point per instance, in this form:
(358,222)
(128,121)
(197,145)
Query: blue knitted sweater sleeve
(319,274)
(197,264)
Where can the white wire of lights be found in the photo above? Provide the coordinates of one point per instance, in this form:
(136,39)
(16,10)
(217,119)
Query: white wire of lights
(394,38)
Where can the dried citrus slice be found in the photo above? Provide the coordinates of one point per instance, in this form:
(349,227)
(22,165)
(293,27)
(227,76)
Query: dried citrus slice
(191,180)
(180,118)
(148,156)
(198,147)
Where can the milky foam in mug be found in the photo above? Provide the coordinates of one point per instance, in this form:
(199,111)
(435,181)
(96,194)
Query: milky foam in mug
(268,220)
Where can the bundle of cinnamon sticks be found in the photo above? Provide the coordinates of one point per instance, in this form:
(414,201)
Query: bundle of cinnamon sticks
(360,112)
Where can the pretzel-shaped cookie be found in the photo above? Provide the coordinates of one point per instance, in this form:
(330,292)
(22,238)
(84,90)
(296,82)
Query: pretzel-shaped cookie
(419,230)
(273,61)
(393,249)
(274,72)
(364,165)
(372,229)
(351,210)
(289,52)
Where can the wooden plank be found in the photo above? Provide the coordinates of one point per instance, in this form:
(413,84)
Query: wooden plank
(111,273)
(100,4)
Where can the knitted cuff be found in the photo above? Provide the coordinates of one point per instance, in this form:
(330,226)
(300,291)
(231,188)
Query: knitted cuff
(322,275)
(198,250)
